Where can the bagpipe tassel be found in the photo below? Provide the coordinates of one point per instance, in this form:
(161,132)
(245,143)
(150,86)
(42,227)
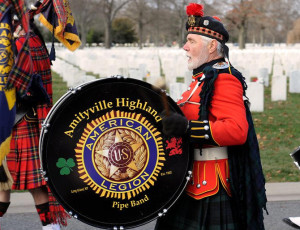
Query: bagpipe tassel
(52,55)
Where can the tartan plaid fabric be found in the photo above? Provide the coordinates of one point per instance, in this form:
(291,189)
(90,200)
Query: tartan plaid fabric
(28,165)
(24,165)
(60,11)
(40,65)
(23,159)
(20,75)
(20,9)
(3,7)
(211,213)
(56,15)
(57,212)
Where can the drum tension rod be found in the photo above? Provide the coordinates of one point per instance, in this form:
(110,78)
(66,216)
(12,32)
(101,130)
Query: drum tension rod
(189,176)
(74,90)
(163,213)
(116,228)
(73,215)
(45,126)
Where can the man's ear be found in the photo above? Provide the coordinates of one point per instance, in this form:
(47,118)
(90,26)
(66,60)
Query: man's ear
(212,46)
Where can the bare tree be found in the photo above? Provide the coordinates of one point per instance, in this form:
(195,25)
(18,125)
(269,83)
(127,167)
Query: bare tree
(263,19)
(85,14)
(284,12)
(239,16)
(293,35)
(163,21)
(179,8)
(109,10)
(141,13)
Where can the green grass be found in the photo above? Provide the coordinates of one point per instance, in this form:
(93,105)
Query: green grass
(277,128)
(59,86)
(93,74)
(180,79)
(278,132)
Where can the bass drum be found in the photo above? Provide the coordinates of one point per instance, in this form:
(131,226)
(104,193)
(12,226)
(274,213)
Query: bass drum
(296,157)
(105,157)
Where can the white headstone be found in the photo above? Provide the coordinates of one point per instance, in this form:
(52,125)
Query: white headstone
(294,86)
(176,90)
(279,91)
(143,71)
(255,93)
(188,77)
(264,76)
(136,74)
(277,70)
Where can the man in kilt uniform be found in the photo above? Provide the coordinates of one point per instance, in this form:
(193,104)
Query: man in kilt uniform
(227,188)
(23,160)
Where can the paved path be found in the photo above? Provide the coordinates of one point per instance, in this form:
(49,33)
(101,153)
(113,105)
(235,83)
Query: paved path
(22,202)
(284,201)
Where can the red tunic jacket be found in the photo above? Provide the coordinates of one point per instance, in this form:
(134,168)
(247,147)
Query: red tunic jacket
(227,126)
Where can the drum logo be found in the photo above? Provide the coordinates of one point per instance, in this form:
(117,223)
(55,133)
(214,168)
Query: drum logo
(120,155)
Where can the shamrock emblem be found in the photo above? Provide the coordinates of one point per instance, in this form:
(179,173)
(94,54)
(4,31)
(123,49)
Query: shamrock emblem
(65,165)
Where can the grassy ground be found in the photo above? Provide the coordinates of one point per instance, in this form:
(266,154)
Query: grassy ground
(278,131)
(59,86)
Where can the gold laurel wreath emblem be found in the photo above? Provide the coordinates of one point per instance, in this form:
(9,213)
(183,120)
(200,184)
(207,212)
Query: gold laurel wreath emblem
(102,162)
(129,172)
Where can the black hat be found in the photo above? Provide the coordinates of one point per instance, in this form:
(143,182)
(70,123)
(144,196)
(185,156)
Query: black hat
(211,27)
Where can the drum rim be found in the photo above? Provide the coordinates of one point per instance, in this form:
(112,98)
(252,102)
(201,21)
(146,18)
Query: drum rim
(292,154)
(133,224)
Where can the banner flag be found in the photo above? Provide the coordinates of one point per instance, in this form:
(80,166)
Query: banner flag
(7,97)
(57,14)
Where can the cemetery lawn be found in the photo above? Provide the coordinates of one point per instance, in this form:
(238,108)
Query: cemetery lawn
(277,128)
(278,132)
(59,87)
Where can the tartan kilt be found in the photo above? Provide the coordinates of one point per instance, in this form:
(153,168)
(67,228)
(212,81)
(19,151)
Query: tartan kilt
(23,159)
(210,213)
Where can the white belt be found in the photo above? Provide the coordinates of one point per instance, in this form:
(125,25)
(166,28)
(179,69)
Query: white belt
(208,154)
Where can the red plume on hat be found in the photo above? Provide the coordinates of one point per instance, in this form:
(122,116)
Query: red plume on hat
(194,9)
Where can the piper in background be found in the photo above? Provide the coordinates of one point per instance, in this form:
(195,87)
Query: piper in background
(23,159)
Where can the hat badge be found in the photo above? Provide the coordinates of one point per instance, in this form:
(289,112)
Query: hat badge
(206,22)
(191,20)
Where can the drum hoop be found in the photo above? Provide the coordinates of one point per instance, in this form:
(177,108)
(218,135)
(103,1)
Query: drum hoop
(292,154)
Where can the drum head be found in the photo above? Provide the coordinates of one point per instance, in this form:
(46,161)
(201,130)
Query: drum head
(105,157)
